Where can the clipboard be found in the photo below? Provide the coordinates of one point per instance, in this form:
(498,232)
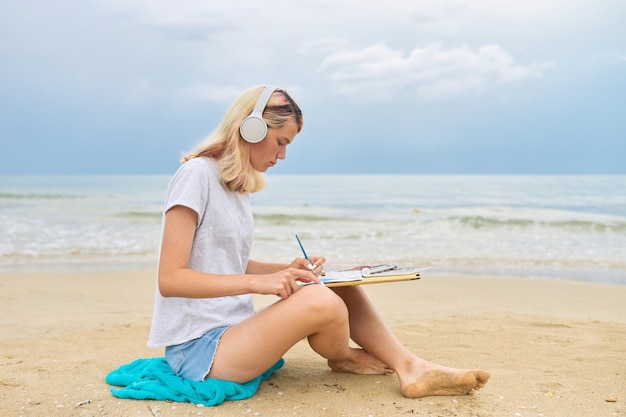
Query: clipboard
(375,280)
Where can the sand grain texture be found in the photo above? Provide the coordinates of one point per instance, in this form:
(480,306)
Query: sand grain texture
(554,348)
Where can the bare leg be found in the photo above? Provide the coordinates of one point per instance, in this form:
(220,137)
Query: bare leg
(418,377)
(249,348)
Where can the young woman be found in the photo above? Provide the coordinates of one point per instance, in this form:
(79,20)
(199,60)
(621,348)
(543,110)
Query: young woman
(204,315)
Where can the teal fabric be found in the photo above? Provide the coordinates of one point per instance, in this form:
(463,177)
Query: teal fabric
(153,379)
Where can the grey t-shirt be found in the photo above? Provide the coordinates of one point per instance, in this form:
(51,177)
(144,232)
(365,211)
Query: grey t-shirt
(221,245)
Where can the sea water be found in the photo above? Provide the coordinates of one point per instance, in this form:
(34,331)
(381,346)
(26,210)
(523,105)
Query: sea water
(571,227)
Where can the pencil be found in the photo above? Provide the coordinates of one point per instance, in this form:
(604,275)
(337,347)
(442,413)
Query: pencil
(303,251)
(305,255)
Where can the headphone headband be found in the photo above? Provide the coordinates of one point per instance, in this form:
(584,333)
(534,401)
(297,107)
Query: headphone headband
(253,128)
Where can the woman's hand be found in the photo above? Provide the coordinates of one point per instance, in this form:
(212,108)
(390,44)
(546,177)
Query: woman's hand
(316,265)
(286,282)
(283,280)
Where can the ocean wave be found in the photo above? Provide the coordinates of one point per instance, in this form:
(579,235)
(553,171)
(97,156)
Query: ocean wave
(591,226)
(153,216)
(475,220)
(283,219)
(38,196)
(496,224)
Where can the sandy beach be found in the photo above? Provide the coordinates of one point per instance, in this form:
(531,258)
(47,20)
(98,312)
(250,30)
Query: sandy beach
(554,348)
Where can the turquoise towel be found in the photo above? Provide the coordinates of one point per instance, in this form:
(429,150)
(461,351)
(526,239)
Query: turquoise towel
(153,379)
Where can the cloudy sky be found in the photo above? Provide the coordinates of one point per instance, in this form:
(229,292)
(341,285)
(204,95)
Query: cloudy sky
(395,86)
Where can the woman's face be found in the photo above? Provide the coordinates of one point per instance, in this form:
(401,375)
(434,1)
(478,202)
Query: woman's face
(266,153)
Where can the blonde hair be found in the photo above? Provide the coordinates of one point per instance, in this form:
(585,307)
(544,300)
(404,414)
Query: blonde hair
(231,151)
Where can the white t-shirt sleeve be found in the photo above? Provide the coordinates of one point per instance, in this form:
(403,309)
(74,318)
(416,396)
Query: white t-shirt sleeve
(189,187)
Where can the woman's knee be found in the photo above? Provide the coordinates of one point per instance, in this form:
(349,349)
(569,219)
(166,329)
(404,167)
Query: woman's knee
(324,304)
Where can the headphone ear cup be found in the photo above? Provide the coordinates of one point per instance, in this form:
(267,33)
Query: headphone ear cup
(253,129)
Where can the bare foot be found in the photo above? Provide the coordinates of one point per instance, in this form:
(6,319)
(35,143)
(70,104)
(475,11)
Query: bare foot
(446,381)
(362,363)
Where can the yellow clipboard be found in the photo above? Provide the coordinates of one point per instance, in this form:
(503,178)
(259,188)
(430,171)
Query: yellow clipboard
(375,280)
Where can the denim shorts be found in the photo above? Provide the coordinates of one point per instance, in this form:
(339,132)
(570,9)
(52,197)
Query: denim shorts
(193,359)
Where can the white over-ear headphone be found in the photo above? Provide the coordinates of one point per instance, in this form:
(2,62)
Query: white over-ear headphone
(253,128)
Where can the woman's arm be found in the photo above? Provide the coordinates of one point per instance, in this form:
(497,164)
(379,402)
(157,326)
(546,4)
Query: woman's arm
(256,267)
(176,279)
